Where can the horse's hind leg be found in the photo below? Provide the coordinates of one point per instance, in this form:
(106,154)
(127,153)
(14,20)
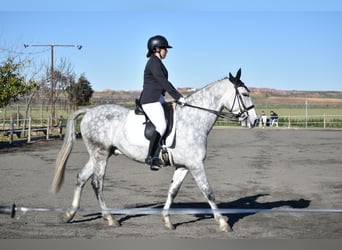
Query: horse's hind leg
(97,183)
(82,178)
(177,180)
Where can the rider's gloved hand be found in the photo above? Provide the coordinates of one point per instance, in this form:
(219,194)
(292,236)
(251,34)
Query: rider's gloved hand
(181,101)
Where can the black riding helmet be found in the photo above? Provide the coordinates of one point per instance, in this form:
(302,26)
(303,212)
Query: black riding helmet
(156,41)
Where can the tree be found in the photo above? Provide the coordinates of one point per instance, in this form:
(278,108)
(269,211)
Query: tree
(79,93)
(12,84)
(62,76)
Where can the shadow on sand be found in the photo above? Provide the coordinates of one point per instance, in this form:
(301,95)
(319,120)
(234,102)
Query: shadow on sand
(249,202)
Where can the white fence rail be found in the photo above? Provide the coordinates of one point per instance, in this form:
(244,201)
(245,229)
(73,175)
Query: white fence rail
(311,121)
(296,121)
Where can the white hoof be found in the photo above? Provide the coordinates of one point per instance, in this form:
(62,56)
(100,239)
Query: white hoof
(68,216)
(111,222)
(224,227)
(168,224)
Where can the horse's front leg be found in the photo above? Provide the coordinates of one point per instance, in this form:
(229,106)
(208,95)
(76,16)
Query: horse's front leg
(176,183)
(202,182)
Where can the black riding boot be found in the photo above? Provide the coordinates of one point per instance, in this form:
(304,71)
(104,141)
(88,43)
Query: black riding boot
(153,152)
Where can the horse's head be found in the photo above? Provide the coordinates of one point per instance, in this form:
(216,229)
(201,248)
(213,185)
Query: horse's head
(242,106)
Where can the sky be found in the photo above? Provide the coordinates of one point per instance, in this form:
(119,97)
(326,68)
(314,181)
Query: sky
(284,44)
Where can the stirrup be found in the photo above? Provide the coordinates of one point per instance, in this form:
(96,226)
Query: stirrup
(155,163)
(155,167)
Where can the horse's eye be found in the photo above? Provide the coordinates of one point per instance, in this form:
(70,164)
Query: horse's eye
(245,94)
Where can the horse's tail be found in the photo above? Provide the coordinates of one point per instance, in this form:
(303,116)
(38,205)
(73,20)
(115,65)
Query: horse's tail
(64,153)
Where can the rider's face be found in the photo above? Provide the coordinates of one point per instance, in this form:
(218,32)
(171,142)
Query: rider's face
(162,52)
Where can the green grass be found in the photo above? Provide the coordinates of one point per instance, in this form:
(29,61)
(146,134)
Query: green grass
(297,115)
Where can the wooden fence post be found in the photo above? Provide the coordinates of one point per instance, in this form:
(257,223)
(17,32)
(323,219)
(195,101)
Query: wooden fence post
(289,124)
(41,115)
(48,128)
(18,117)
(29,129)
(12,130)
(4,119)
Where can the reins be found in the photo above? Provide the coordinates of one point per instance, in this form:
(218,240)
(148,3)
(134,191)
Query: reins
(230,115)
(205,109)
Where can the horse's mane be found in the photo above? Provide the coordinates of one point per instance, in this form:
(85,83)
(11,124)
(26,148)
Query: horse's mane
(209,85)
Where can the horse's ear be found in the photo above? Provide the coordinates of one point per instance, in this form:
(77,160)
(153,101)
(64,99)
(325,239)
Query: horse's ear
(231,77)
(238,74)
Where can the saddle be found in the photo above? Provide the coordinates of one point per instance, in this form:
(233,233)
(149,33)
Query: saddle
(165,156)
(149,126)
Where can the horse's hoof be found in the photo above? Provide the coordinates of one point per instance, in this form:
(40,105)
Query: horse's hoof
(170,227)
(111,221)
(167,223)
(224,227)
(68,216)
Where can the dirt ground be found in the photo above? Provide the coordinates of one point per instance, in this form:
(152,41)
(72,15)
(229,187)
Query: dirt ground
(247,168)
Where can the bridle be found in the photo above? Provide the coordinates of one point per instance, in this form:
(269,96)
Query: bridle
(241,116)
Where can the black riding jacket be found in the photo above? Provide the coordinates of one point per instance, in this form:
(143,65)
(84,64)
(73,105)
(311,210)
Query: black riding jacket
(156,82)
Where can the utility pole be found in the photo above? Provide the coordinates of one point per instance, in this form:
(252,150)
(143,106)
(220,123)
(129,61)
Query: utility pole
(306,113)
(52,71)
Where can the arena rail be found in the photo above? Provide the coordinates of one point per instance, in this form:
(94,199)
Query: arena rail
(13,209)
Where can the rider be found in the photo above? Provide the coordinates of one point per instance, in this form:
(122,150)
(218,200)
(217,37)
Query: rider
(152,97)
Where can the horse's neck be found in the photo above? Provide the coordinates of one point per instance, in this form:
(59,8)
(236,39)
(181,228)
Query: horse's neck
(210,97)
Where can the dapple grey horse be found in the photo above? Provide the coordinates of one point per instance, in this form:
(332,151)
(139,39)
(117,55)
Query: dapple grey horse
(111,129)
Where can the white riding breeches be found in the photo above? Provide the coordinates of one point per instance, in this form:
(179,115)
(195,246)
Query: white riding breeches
(155,113)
